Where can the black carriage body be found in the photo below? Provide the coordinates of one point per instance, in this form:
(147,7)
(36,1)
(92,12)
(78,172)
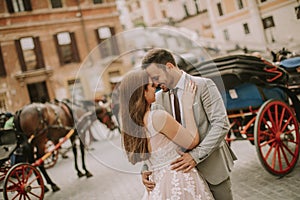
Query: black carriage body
(13,147)
(244,81)
(8,144)
(19,180)
(262,105)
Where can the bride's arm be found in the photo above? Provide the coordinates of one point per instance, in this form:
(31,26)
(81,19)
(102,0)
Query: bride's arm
(164,123)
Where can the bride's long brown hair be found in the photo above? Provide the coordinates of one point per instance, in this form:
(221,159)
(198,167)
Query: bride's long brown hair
(133,107)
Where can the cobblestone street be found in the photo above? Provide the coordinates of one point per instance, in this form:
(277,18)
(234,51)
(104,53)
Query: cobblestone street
(250,181)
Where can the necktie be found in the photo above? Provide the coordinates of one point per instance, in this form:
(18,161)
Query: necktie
(176,107)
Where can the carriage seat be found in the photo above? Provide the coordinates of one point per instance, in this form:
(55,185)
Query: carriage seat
(290,63)
(248,95)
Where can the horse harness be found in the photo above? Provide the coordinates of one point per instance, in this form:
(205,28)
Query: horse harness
(43,121)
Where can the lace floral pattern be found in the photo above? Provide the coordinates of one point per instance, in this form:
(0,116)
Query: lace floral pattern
(170,184)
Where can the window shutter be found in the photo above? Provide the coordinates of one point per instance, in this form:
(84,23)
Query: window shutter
(39,53)
(115,47)
(10,6)
(97,36)
(20,55)
(2,67)
(56,4)
(75,52)
(101,47)
(58,50)
(27,5)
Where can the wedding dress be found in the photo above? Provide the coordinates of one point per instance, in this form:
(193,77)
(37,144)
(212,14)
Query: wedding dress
(171,185)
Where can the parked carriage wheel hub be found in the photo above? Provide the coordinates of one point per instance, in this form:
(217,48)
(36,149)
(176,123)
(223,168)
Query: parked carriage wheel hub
(286,136)
(27,188)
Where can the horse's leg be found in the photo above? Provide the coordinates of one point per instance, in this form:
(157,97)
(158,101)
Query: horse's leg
(82,150)
(74,148)
(28,154)
(40,153)
(48,179)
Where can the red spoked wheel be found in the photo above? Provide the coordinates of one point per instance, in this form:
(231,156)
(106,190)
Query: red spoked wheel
(23,181)
(276,135)
(3,171)
(51,160)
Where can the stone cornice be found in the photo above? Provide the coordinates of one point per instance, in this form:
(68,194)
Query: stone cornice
(29,76)
(55,22)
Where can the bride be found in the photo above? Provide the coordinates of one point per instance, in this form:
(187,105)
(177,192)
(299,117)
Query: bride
(154,136)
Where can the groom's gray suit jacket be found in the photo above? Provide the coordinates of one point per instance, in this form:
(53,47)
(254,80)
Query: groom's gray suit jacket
(213,156)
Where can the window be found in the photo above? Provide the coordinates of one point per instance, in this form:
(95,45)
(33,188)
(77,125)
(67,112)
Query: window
(2,67)
(97,1)
(38,92)
(66,48)
(56,4)
(268,22)
(240,4)
(108,44)
(164,13)
(115,73)
(114,78)
(30,53)
(28,47)
(138,5)
(297,11)
(196,6)
(246,28)
(129,8)
(76,89)
(220,10)
(15,6)
(226,35)
(186,10)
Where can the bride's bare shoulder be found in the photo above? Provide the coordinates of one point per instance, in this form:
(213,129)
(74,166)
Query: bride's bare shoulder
(159,119)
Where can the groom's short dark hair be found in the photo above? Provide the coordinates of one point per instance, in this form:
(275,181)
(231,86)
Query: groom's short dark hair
(158,56)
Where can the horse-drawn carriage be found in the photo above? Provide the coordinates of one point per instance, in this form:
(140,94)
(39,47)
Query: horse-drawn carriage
(262,105)
(36,124)
(21,180)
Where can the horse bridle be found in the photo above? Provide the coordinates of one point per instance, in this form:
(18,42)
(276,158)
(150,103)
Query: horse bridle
(43,122)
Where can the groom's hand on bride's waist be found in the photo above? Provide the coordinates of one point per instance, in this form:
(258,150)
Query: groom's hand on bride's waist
(146,180)
(184,163)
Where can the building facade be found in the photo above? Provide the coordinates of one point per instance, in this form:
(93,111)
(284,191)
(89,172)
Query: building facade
(43,45)
(191,14)
(256,24)
(229,25)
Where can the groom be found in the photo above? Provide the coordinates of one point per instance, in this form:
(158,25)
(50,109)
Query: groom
(212,157)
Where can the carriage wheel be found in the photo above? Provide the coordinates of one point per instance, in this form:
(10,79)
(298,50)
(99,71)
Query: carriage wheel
(23,181)
(3,171)
(51,160)
(276,135)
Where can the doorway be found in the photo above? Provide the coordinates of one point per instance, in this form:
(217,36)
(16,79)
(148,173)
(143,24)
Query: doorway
(38,92)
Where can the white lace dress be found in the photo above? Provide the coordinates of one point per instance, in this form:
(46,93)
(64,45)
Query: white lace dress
(171,185)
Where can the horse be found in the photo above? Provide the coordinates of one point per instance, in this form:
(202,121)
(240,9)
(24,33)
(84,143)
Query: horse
(41,122)
(282,55)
